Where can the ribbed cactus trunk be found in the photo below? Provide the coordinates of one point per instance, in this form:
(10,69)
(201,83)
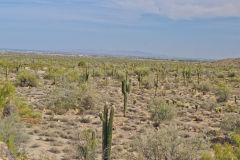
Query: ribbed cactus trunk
(86,75)
(7,73)
(107,125)
(139,77)
(156,80)
(125,103)
(126,88)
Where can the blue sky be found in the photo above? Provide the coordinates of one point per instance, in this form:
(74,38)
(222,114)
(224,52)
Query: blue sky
(176,28)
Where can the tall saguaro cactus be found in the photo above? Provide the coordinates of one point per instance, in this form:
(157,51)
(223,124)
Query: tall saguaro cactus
(139,78)
(126,89)
(199,73)
(156,80)
(107,125)
(86,74)
(6,72)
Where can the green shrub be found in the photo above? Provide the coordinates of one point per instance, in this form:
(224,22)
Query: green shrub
(225,151)
(231,122)
(231,74)
(50,74)
(161,110)
(120,75)
(220,75)
(166,143)
(85,145)
(143,71)
(204,86)
(71,96)
(11,132)
(26,79)
(222,93)
(7,92)
(82,63)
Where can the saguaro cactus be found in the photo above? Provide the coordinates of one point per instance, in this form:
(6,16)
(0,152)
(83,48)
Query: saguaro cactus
(199,73)
(86,74)
(107,125)
(126,89)
(184,71)
(139,78)
(156,80)
(7,73)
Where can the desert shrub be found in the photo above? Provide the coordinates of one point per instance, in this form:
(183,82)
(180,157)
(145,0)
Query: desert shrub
(97,73)
(222,92)
(231,122)
(220,75)
(161,110)
(144,71)
(210,105)
(26,79)
(7,92)
(50,74)
(71,96)
(167,86)
(148,81)
(85,145)
(166,143)
(231,74)
(82,63)
(234,80)
(11,132)
(24,110)
(225,151)
(7,95)
(204,86)
(120,75)
(74,76)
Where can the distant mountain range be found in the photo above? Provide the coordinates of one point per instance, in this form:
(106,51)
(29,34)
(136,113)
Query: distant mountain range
(115,53)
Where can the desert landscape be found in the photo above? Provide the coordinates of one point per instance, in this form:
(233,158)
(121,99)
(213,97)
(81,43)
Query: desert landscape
(67,107)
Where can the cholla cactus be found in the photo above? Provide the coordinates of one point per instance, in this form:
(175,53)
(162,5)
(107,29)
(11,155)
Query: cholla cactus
(107,125)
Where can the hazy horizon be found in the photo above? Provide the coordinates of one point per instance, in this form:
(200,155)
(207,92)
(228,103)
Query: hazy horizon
(189,29)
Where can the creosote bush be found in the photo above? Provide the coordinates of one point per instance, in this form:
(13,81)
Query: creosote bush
(82,63)
(72,96)
(220,75)
(204,86)
(161,110)
(11,132)
(231,74)
(167,144)
(7,95)
(231,122)
(26,79)
(222,92)
(85,145)
(225,151)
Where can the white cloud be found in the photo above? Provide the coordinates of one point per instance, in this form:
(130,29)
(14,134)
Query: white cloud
(182,9)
